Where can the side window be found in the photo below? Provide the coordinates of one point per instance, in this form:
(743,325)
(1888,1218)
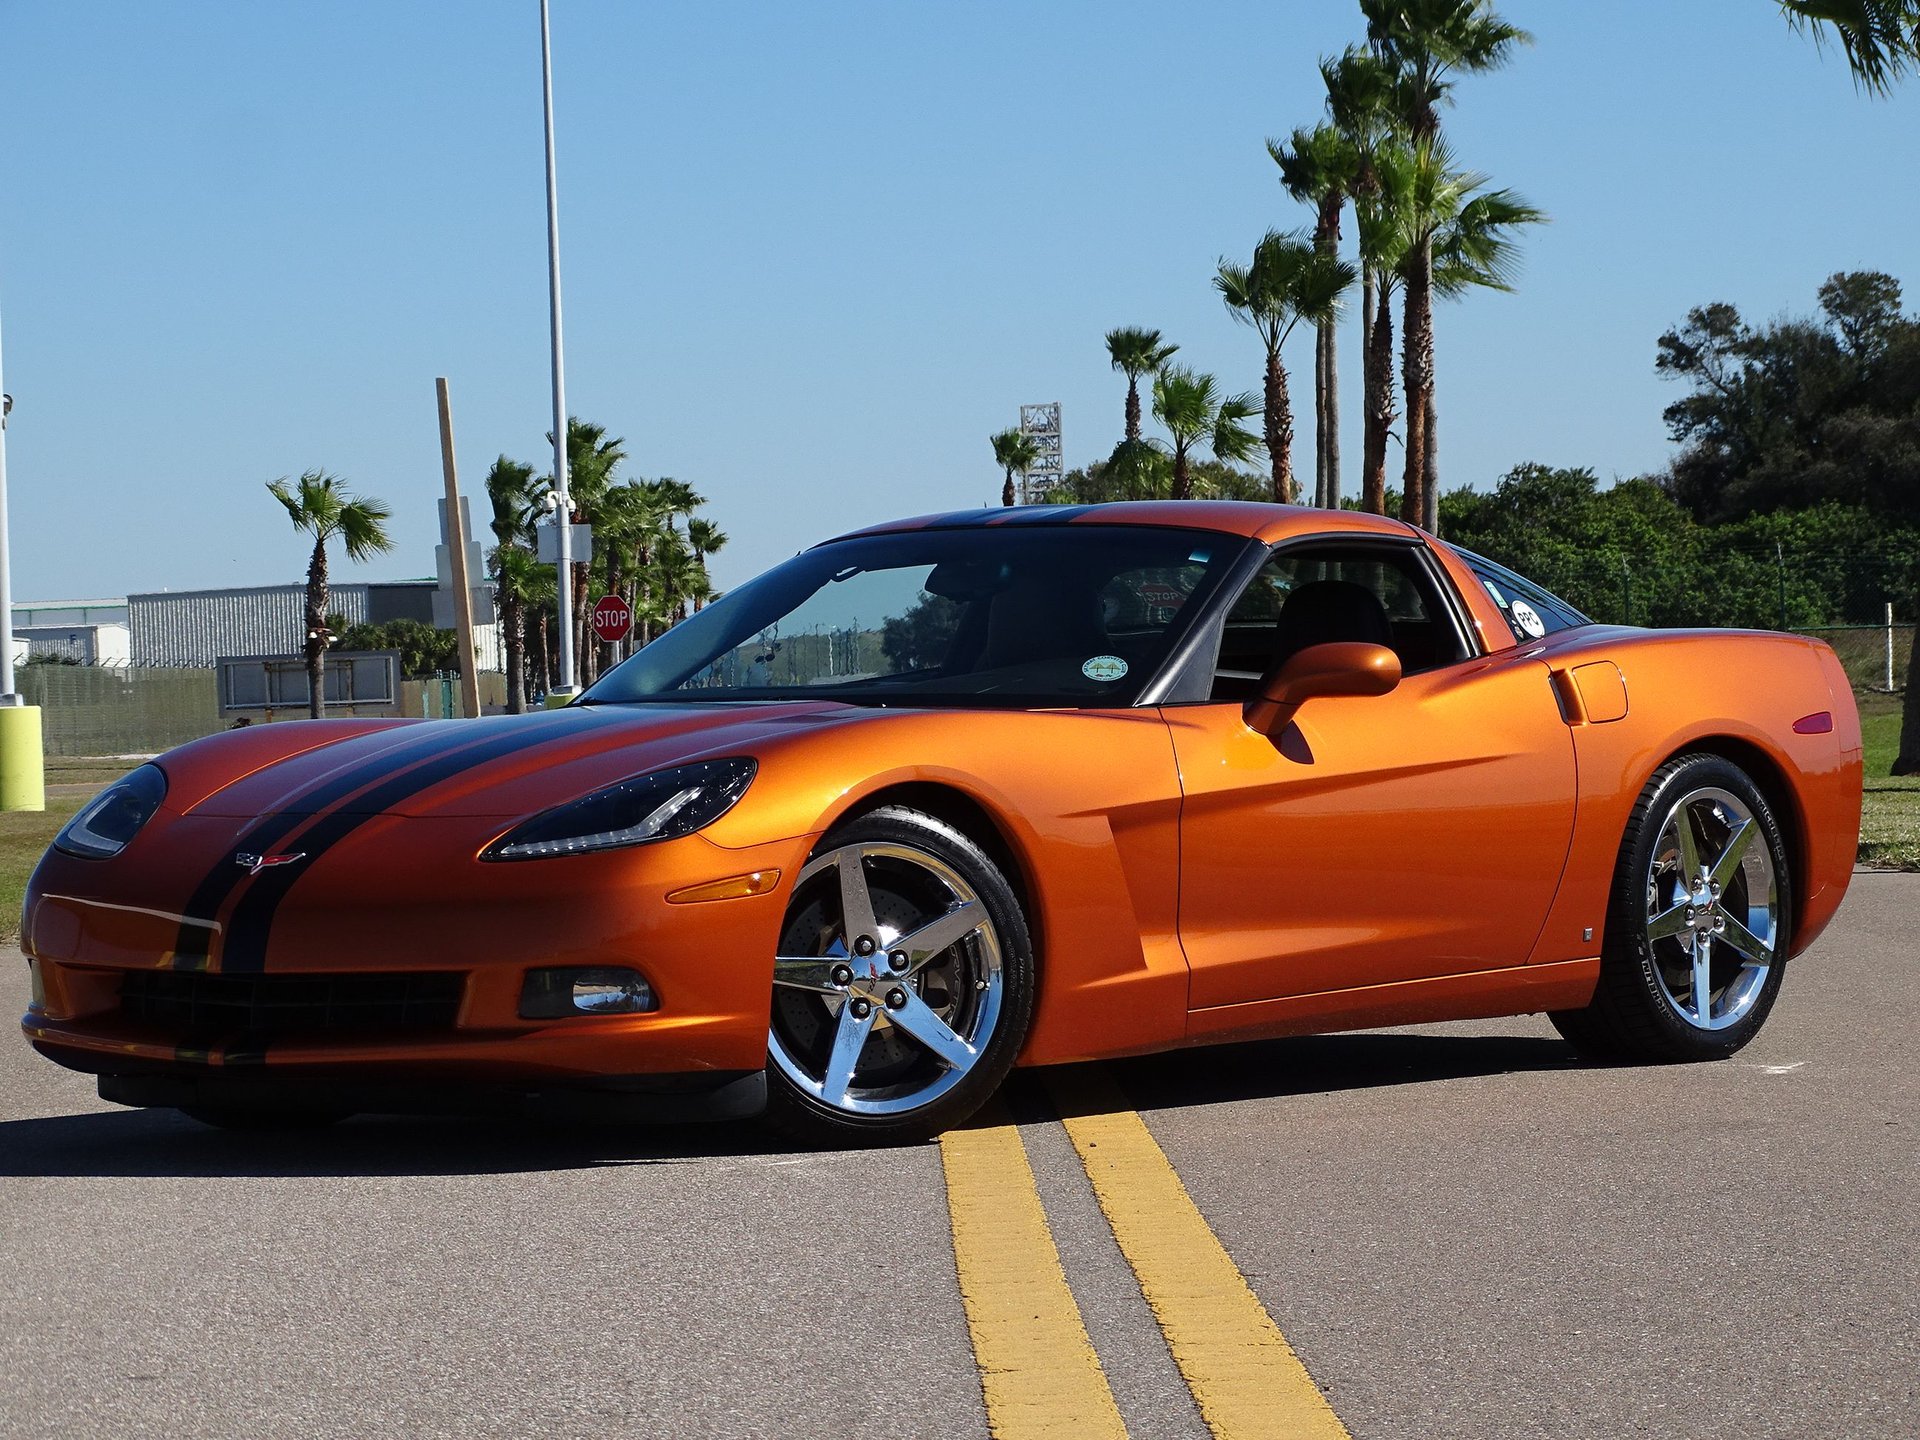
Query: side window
(1320,594)
(1529,611)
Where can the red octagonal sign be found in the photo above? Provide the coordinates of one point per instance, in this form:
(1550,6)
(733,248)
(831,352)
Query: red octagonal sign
(612,618)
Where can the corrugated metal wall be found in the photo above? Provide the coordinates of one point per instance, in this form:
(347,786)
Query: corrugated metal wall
(196,627)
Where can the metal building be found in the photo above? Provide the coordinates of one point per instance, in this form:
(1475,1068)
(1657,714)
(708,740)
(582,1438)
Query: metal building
(196,627)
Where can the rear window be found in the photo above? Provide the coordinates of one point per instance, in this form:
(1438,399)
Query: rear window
(1529,611)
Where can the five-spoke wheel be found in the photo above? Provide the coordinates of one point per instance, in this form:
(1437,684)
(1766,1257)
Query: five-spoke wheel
(902,985)
(1697,928)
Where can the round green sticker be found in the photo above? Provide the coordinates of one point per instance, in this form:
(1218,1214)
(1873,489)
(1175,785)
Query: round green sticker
(1104,668)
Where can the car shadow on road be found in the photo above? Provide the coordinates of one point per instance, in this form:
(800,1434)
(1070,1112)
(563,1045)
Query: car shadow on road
(127,1143)
(1319,1064)
(123,1143)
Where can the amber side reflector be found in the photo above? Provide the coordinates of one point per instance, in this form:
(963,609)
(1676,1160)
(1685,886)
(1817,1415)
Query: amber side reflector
(1818,723)
(734,887)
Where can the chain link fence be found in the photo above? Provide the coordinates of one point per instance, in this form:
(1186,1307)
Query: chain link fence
(1875,656)
(117,710)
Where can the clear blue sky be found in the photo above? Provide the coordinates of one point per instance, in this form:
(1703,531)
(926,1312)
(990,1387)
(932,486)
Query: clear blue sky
(814,254)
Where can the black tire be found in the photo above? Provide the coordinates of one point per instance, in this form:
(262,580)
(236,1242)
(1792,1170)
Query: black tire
(263,1120)
(911,864)
(1635,1015)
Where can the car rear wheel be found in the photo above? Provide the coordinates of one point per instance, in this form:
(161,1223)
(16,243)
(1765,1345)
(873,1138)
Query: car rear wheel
(903,985)
(1698,922)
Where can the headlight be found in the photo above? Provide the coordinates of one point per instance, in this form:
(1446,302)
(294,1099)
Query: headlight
(660,806)
(107,822)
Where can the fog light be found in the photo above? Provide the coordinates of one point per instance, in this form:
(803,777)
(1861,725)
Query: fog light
(584,990)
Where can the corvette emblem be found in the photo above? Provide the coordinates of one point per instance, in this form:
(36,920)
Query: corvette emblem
(254,864)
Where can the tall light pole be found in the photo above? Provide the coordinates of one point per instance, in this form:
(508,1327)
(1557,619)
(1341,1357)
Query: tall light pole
(563,515)
(7,695)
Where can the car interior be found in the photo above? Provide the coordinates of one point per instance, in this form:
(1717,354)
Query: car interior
(1320,595)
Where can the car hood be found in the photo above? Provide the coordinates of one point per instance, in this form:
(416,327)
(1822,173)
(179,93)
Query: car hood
(504,765)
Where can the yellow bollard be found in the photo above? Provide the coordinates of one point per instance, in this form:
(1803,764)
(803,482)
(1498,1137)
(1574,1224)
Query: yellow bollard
(556,698)
(23,764)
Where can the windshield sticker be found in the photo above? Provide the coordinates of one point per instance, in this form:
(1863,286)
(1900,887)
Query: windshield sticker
(1494,591)
(1528,619)
(1104,668)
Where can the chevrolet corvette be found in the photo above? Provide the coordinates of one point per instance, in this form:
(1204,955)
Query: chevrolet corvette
(960,793)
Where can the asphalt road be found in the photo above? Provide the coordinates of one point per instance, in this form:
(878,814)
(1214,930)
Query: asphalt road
(1460,1230)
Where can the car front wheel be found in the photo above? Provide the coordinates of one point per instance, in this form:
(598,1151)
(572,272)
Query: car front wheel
(902,988)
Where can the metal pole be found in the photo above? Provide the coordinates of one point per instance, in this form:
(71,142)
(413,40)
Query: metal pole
(563,516)
(1889,647)
(7,695)
(1780,554)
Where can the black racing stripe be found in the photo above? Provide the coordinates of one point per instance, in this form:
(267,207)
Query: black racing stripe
(1025,515)
(193,946)
(245,948)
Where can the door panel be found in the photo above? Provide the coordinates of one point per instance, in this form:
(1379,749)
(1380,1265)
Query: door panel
(1386,838)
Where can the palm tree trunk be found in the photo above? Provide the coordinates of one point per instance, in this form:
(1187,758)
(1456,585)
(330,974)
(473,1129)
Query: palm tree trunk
(1277,421)
(1133,406)
(1430,495)
(1417,356)
(1333,416)
(513,616)
(1908,760)
(1320,415)
(1379,407)
(317,630)
(1181,485)
(1006,490)
(546,654)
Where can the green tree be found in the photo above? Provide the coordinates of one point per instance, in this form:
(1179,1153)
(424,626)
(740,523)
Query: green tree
(320,505)
(704,537)
(1015,454)
(423,649)
(1880,38)
(1136,353)
(1289,280)
(1194,412)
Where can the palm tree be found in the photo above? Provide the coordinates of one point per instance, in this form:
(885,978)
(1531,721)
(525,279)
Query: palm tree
(320,505)
(515,496)
(1015,453)
(1425,43)
(1319,166)
(1195,413)
(522,587)
(1473,250)
(704,537)
(1361,107)
(1290,280)
(1881,38)
(1136,353)
(591,461)
(1381,213)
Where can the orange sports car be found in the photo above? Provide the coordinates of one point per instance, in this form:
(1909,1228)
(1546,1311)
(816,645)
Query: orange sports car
(964,792)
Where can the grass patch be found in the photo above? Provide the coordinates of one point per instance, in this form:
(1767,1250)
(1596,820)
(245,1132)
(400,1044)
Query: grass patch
(1890,810)
(24,837)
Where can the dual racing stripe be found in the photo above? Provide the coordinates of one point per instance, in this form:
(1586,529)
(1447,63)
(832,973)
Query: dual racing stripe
(385,780)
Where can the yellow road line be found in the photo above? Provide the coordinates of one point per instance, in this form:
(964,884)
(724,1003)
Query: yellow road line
(1038,1370)
(1243,1374)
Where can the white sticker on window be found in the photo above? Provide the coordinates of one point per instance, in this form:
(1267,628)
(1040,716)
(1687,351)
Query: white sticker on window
(1528,619)
(1104,668)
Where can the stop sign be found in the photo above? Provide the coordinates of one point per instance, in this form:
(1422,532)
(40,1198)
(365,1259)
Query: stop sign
(612,618)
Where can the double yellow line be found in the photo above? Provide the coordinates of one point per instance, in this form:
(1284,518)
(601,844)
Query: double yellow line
(1038,1369)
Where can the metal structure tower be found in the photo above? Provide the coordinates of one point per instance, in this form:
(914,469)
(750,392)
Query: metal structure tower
(1041,424)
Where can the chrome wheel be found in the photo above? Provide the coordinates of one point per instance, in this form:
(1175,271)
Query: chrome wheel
(889,982)
(1713,908)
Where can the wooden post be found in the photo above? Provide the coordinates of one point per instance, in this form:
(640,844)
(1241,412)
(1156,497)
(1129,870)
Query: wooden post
(457,553)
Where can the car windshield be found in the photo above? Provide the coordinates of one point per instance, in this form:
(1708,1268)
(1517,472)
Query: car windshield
(1022,617)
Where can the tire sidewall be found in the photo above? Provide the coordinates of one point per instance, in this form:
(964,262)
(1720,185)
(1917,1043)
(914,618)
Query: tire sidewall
(793,1110)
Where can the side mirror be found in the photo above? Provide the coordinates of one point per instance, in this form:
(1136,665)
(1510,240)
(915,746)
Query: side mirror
(1346,668)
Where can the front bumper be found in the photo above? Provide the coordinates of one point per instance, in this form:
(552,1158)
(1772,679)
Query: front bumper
(409,896)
